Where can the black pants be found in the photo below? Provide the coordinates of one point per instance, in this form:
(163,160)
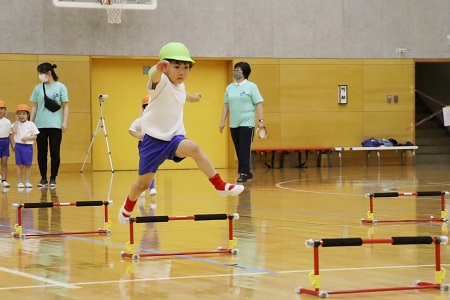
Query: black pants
(242,139)
(49,137)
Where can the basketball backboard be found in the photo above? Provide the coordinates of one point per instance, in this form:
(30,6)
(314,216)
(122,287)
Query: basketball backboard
(130,4)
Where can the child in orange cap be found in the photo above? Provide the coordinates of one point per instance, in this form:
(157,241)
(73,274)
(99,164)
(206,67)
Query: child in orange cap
(25,133)
(5,135)
(135,130)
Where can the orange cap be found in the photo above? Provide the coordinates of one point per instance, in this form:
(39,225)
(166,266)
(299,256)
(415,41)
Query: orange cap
(23,107)
(145,100)
(2,104)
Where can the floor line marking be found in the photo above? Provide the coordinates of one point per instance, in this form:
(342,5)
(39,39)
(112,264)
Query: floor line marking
(76,285)
(253,274)
(39,278)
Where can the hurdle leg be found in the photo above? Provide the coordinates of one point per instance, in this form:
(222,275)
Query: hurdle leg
(130,245)
(443,209)
(231,239)
(18,226)
(314,278)
(107,222)
(370,214)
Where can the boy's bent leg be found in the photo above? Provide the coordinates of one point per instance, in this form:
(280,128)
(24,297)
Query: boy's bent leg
(136,189)
(188,148)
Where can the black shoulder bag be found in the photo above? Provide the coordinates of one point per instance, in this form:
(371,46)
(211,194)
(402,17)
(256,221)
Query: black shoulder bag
(50,104)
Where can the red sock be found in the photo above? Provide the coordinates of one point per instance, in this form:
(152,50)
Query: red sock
(128,207)
(218,183)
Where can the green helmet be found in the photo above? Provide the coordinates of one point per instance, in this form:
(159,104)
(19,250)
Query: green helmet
(176,51)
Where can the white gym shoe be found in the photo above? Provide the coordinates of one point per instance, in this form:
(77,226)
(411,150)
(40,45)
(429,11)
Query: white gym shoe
(28,185)
(236,190)
(153,192)
(122,218)
(20,185)
(5,184)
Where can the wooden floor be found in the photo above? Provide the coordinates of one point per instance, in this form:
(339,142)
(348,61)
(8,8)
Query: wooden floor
(279,210)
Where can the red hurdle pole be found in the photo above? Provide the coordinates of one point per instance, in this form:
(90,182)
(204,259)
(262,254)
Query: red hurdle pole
(315,280)
(19,207)
(370,214)
(204,217)
(19,230)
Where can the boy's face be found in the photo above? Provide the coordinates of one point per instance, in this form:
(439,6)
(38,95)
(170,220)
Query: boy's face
(178,72)
(22,115)
(2,112)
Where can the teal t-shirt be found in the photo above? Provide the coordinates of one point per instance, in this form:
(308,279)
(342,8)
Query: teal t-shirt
(242,100)
(45,118)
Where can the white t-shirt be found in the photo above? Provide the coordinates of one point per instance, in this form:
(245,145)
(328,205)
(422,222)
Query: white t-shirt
(136,125)
(163,117)
(24,129)
(5,127)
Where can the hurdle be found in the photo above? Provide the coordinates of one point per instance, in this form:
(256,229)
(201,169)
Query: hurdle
(200,217)
(371,196)
(314,276)
(19,230)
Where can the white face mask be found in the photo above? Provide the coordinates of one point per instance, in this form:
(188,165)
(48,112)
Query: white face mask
(43,77)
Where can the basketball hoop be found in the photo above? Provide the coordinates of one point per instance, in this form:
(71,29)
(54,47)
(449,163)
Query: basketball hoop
(114,10)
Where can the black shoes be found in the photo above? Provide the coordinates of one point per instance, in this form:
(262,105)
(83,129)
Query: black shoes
(243,177)
(43,183)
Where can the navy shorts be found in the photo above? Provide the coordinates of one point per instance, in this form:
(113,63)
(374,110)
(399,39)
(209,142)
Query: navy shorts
(24,154)
(153,152)
(4,147)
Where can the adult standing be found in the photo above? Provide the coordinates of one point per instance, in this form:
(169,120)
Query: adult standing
(50,121)
(243,103)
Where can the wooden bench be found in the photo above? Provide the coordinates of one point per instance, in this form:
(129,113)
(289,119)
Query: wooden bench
(368,150)
(291,151)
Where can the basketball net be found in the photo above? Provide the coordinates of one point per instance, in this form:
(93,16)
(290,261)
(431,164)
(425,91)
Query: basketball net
(114,10)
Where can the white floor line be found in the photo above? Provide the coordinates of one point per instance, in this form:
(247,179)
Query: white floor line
(39,278)
(254,273)
(77,284)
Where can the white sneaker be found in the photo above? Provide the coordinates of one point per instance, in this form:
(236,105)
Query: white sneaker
(20,185)
(122,218)
(5,184)
(28,185)
(236,190)
(153,192)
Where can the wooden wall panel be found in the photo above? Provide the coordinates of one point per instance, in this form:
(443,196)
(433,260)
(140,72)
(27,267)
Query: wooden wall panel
(310,115)
(76,139)
(389,125)
(315,87)
(388,77)
(319,129)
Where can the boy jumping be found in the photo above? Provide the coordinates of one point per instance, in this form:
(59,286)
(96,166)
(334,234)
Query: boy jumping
(164,129)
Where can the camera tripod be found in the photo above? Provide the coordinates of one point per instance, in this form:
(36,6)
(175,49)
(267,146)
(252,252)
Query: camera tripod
(100,126)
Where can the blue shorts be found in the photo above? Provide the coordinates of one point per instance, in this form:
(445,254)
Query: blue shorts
(153,152)
(24,154)
(4,147)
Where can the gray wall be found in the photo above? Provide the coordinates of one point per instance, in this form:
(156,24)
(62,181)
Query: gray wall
(234,28)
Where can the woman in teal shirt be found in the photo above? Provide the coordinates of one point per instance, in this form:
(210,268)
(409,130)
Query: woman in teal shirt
(51,124)
(243,103)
